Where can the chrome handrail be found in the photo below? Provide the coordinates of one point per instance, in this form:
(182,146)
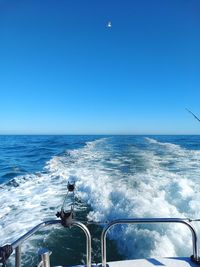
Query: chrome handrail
(26,236)
(150,221)
(18,243)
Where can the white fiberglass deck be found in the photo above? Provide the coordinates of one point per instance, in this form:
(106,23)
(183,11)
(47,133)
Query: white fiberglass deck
(153,262)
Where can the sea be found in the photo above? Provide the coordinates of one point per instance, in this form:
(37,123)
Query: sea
(115,177)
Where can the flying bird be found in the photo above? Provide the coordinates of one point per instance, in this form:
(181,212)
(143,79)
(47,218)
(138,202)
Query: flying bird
(109,25)
(193,114)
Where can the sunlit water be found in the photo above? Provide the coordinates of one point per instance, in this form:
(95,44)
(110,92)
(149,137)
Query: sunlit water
(116,177)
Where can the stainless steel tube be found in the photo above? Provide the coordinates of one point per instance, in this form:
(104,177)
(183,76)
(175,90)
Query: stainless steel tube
(18,256)
(150,221)
(20,240)
(45,259)
(17,244)
(88,241)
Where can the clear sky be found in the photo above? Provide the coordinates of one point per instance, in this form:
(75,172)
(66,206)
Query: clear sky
(63,71)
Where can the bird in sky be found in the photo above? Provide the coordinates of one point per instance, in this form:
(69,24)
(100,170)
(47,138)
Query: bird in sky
(109,25)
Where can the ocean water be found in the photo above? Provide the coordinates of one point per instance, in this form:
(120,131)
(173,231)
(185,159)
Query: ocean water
(116,177)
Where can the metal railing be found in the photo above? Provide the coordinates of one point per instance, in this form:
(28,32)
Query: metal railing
(149,221)
(18,243)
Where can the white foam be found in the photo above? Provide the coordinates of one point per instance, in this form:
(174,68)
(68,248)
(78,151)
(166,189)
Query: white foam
(153,195)
(34,200)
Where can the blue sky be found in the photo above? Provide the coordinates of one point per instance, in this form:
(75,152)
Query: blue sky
(62,71)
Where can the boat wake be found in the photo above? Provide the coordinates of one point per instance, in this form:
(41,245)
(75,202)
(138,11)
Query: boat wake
(114,179)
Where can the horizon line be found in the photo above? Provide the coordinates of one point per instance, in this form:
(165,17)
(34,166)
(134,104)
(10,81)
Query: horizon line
(90,134)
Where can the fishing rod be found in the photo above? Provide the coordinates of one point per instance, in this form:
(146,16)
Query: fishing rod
(193,114)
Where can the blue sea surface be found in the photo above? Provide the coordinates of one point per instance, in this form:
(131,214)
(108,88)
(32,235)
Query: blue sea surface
(22,154)
(116,177)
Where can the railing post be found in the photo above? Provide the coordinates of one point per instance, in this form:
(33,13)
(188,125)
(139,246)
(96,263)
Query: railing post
(45,259)
(88,241)
(18,256)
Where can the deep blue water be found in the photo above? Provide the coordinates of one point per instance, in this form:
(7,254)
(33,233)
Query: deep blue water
(116,177)
(22,154)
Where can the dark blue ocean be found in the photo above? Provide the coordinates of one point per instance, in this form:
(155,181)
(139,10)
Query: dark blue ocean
(116,177)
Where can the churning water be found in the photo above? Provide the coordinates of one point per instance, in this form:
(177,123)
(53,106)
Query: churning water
(116,177)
